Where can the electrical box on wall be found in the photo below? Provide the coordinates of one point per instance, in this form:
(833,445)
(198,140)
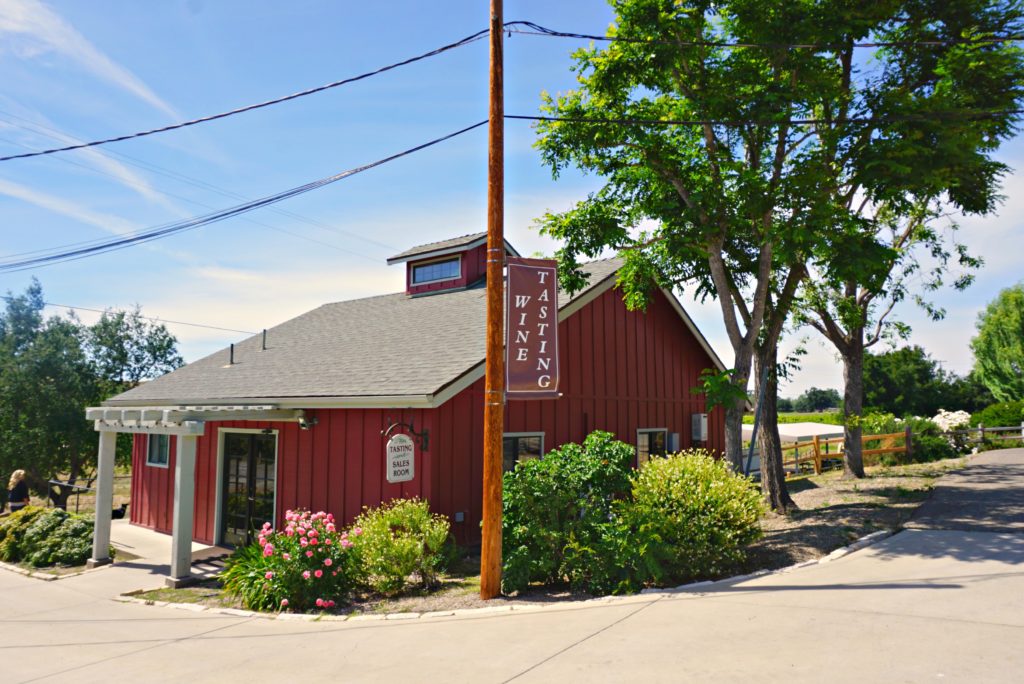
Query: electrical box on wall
(699,427)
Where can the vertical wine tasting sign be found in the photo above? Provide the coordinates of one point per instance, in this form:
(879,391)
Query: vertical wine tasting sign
(531,335)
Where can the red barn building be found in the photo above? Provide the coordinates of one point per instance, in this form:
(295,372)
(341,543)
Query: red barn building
(298,417)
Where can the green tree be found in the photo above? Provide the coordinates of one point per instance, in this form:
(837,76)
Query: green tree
(908,382)
(127,349)
(49,374)
(999,346)
(789,149)
(815,399)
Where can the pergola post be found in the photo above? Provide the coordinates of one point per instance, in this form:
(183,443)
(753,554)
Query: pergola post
(104,499)
(184,503)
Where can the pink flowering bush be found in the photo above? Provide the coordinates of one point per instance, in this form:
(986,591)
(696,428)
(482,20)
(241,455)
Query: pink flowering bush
(307,564)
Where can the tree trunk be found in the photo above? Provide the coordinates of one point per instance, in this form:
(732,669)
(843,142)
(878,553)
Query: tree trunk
(734,415)
(853,406)
(773,477)
(734,436)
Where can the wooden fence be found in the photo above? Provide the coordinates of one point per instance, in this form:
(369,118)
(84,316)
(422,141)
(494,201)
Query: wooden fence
(817,450)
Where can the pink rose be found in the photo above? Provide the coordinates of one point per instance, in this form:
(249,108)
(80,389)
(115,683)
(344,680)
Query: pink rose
(269,575)
(309,554)
(328,562)
(319,573)
(284,603)
(286,556)
(305,574)
(319,603)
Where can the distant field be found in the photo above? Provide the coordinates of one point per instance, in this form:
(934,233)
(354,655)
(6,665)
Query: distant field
(829,417)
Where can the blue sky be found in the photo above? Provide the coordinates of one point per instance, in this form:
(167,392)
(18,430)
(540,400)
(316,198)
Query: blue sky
(107,67)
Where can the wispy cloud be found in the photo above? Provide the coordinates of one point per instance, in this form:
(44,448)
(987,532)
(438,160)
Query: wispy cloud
(106,222)
(33,126)
(29,28)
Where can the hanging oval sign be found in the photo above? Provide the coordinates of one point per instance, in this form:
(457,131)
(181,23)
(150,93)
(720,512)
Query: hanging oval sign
(400,459)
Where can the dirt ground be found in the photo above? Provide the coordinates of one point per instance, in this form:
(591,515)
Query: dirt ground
(831,513)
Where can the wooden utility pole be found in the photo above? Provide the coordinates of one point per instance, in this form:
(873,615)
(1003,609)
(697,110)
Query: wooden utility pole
(494,375)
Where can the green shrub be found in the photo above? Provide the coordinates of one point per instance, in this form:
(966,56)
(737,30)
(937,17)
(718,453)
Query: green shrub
(307,564)
(44,537)
(1003,414)
(689,516)
(557,511)
(12,530)
(400,540)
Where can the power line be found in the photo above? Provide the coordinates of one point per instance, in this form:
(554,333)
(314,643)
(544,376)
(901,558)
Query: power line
(166,230)
(538,30)
(191,201)
(966,115)
(40,129)
(148,318)
(511,26)
(248,108)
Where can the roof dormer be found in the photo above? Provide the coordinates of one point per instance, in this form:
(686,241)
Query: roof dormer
(452,264)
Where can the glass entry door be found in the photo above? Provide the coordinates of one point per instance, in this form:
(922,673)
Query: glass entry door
(247,490)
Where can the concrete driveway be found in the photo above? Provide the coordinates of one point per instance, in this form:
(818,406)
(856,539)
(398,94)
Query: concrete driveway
(938,602)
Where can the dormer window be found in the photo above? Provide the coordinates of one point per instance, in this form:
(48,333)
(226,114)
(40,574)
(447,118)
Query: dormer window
(448,269)
(445,266)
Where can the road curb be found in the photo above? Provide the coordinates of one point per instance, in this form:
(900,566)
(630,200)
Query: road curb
(650,593)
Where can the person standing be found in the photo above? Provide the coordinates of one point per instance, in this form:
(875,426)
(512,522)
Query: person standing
(17,493)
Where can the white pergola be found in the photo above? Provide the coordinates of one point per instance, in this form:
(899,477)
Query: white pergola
(187,423)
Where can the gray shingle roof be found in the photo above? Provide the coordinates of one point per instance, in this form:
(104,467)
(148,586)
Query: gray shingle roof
(450,243)
(391,345)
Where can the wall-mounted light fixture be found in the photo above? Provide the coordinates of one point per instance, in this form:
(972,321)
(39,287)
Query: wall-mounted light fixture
(306,422)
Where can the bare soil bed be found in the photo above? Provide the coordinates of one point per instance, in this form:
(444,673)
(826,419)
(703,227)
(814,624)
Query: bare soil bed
(832,512)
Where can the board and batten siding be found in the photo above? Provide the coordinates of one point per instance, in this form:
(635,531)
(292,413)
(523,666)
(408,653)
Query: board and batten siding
(621,371)
(337,466)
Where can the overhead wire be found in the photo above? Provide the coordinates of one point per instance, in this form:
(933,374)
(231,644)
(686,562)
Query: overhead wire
(148,318)
(165,193)
(931,116)
(533,29)
(56,134)
(166,230)
(259,105)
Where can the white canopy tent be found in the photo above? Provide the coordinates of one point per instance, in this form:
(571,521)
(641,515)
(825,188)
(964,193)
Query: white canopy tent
(800,432)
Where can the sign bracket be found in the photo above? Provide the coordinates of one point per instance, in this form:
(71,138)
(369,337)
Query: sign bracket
(423,437)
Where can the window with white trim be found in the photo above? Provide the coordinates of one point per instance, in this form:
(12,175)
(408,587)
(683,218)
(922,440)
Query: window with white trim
(521,446)
(449,269)
(650,442)
(158,451)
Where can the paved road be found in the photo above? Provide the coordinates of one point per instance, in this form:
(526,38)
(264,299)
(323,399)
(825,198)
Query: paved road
(928,604)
